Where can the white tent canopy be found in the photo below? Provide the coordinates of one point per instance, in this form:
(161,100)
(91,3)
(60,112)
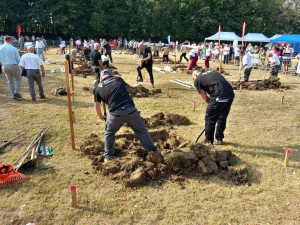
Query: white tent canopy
(275,36)
(224,36)
(256,37)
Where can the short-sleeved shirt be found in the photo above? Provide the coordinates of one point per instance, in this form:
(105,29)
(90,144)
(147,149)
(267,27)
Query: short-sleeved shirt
(237,52)
(107,47)
(166,50)
(96,56)
(86,51)
(215,85)
(275,59)
(247,60)
(31,61)
(112,91)
(146,52)
(208,51)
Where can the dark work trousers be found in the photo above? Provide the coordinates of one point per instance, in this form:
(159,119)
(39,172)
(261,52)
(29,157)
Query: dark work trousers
(226,59)
(216,112)
(247,73)
(115,120)
(106,63)
(108,53)
(149,69)
(156,53)
(165,57)
(134,50)
(34,75)
(183,55)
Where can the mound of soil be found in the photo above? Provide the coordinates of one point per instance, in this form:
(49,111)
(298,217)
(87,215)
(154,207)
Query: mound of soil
(259,85)
(160,119)
(133,166)
(141,92)
(84,67)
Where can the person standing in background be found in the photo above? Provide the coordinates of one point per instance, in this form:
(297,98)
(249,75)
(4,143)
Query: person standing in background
(39,46)
(9,59)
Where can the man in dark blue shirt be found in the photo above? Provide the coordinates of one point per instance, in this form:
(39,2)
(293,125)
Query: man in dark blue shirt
(219,102)
(146,62)
(112,91)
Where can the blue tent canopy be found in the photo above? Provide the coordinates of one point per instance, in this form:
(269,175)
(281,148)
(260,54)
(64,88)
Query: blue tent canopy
(275,36)
(256,37)
(224,36)
(294,39)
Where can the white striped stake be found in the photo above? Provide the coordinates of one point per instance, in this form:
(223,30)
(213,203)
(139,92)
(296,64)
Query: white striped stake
(168,94)
(282,98)
(241,86)
(73,116)
(287,157)
(194,106)
(74,197)
(73,94)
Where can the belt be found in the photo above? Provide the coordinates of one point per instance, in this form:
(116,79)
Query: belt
(32,69)
(123,107)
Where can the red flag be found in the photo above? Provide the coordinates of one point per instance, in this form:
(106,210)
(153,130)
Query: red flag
(19,30)
(243,34)
(219,35)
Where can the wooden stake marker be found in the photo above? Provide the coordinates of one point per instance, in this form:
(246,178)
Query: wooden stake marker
(168,92)
(71,63)
(69,106)
(73,94)
(73,116)
(287,157)
(194,106)
(241,86)
(74,196)
(282,98)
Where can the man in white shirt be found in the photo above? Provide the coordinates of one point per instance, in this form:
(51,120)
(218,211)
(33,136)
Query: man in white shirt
(105,61)
(247,64)
(237,55)
(275,64)
(183,51)
(78,44)
(32,63)
(39,46)
(226,52)
(250,48)
(207,56)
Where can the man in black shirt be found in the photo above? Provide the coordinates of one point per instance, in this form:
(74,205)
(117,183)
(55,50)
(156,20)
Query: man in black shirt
(87,52)
(112,91)
(146,62)
(219,102)
(96,64)
(108,51)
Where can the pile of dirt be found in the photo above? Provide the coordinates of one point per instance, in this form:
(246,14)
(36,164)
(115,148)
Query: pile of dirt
(159,61)
(197,68)
(160,119)
(141,92)
(259,85)
(84,67)
(133,166)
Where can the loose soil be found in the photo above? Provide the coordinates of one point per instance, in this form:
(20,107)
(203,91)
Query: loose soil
(84,67)
(160,119)
(141,92)
(133,166)
(259,85)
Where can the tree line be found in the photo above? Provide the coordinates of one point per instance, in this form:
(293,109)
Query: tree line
(143,19)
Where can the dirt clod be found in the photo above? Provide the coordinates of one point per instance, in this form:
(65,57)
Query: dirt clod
(160,119)
(141,92)
(133,166)
(259,85)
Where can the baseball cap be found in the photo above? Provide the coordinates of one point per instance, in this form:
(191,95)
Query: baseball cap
(106,73)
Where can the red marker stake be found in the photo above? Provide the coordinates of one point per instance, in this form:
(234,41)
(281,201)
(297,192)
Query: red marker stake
(282,98)
(73,116)
(74,197)
(73,94)
(287,157)
(194,106)
(241,86)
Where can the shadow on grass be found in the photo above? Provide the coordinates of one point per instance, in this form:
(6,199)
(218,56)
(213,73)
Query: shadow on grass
(277,152)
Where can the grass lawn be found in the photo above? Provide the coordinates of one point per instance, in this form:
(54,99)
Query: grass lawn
(259,130)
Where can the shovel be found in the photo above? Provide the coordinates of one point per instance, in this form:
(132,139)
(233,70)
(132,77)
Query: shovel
(199,135)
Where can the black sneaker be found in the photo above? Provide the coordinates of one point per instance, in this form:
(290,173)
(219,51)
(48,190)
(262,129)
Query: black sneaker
(17,95)
(139,80)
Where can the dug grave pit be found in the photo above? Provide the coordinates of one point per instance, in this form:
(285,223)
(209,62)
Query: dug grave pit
(133,166)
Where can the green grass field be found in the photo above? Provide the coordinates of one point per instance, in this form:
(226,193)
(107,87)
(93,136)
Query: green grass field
(259,131)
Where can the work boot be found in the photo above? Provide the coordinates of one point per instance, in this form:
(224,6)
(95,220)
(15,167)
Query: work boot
(17,95)
(219,142)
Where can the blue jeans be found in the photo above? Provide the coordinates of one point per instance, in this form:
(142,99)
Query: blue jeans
(12,71)
(130,115)
(40,52)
